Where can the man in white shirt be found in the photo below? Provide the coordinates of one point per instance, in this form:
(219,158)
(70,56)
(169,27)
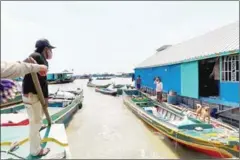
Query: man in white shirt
(159,88)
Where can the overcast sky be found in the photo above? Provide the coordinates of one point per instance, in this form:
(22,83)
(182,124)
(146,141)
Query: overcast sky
(106,36)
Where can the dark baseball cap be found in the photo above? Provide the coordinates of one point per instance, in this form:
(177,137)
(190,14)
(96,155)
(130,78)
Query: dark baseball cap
(43,43)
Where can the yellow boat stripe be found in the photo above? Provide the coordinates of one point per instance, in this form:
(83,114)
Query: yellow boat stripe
(214,148)
(42,141)
(216,143)
(192,144)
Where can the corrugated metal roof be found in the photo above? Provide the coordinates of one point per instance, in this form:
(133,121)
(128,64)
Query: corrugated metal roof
(220,40)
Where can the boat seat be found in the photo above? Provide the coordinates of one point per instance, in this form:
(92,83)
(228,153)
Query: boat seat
(172,118)
(193,126)
(164,113)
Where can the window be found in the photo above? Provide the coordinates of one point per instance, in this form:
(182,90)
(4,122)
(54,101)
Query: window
(230,68)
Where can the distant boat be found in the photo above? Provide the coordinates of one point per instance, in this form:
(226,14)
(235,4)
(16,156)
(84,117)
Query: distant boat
(90,84)
(58,78)
(103,78)
(107,91)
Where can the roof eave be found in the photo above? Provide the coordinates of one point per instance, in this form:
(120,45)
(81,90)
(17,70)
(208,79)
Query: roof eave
(236,51)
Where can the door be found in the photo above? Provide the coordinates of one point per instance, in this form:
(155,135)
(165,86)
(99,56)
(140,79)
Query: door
(189,79)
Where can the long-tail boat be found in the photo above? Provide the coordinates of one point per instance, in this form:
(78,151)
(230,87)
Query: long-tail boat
(16,116)
(121,87)
(107,91)
(215,141)
(14,136)
(103,78)
(90,84)
(192,113)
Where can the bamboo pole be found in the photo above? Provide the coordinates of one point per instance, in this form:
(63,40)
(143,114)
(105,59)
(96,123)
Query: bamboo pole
(41,97)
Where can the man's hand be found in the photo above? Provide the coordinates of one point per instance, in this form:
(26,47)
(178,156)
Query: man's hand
(43,70)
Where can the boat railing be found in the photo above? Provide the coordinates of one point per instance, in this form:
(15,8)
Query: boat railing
(228,110)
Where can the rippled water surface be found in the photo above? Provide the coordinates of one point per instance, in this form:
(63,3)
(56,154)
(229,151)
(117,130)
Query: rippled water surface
(105,128)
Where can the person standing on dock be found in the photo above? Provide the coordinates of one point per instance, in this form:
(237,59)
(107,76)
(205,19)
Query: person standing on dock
(30,98)
(159,88)
(138,82)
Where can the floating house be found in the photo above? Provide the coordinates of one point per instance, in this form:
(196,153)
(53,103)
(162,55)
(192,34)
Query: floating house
(187,68)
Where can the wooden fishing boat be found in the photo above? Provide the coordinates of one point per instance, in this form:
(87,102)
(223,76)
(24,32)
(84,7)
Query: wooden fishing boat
(90,84)
(220,142)
(191,113)
(66,95)
(120,88)
(53,137)
(16,116)
(15,142)
(57,99)
(103,78)
(51,103)
(107,91)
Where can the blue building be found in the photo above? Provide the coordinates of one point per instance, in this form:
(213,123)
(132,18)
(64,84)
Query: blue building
(186,68)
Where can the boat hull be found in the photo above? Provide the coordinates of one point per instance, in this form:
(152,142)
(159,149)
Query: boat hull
(98,86)
(63,116)
(103,78)
(107,92)
(61,81)
(189,111)
(217,151)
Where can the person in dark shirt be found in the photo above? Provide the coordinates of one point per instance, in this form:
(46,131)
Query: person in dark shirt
(139,81)
(90,80)
(30,99)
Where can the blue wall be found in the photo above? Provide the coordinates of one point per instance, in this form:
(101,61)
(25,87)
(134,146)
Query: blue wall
(183,78)
(189,77)
(230,91)
(170,75)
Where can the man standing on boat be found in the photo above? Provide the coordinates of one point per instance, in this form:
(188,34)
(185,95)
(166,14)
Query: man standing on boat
(31,101)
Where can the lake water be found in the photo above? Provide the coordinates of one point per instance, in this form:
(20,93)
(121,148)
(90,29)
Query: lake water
(105,128)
